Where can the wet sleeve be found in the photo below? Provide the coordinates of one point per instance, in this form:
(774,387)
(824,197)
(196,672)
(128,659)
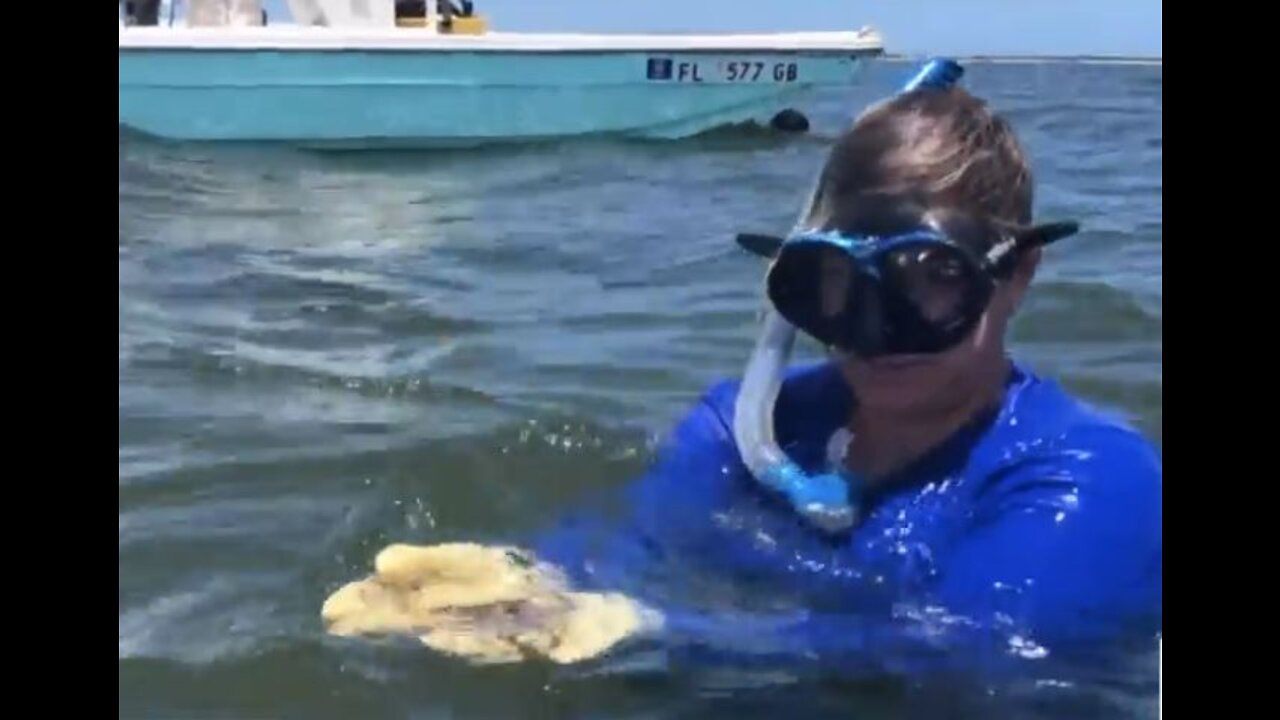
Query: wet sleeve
(664,512)
(1067,545)
(1065,548)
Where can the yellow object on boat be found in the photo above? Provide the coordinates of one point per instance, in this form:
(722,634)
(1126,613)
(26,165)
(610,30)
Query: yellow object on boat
(471,25)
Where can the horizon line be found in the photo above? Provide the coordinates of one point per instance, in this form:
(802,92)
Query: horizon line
(1025,58)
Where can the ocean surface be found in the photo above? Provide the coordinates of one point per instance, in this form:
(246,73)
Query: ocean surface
(323,353)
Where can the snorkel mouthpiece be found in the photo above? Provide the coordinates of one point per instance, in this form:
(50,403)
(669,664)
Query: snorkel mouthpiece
(830,501)
(822,499)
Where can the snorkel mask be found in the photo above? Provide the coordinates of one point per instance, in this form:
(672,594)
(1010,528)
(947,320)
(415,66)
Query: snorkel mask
(909,281)
(902,279)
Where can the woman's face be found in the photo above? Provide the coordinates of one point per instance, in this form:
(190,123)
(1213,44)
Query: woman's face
(920,384)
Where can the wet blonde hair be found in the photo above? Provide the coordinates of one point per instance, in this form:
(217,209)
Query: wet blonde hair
(934,147)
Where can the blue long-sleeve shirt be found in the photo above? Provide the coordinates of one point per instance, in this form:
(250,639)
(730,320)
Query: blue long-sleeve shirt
(1034,528)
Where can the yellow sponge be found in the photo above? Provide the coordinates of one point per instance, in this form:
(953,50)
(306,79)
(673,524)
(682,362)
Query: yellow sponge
(488,604)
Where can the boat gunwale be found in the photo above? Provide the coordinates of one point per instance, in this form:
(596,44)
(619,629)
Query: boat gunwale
(402,40)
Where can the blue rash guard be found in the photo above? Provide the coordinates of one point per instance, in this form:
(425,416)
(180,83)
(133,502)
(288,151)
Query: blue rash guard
(1037,526)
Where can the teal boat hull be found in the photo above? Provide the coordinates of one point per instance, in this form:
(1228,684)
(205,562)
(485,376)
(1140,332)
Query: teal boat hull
(442,96)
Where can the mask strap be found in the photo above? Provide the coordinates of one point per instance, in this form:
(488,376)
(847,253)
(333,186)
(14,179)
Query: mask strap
(1003,254)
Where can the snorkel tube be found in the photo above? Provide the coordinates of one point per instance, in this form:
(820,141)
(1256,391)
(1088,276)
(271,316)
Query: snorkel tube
(831,501)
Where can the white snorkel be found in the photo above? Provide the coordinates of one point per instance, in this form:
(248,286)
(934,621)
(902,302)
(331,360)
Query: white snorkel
(822,499)
(830,500)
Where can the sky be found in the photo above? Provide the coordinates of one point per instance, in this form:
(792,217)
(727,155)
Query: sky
(945,27)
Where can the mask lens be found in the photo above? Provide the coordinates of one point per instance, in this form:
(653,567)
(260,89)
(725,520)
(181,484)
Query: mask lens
(836,277)
(935,279)
(909,298)
(811,285)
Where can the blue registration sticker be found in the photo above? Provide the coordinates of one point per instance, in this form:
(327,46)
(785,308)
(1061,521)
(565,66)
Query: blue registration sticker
(659,69)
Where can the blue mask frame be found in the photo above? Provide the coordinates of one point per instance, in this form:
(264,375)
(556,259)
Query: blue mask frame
(883,312)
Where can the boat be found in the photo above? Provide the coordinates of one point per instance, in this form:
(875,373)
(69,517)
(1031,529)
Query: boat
(435,74)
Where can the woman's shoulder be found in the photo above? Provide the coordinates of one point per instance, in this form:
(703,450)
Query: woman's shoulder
(1043,414)
(1050,442)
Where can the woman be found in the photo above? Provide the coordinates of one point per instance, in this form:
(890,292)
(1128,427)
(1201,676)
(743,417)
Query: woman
(921,499)
(925,491)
